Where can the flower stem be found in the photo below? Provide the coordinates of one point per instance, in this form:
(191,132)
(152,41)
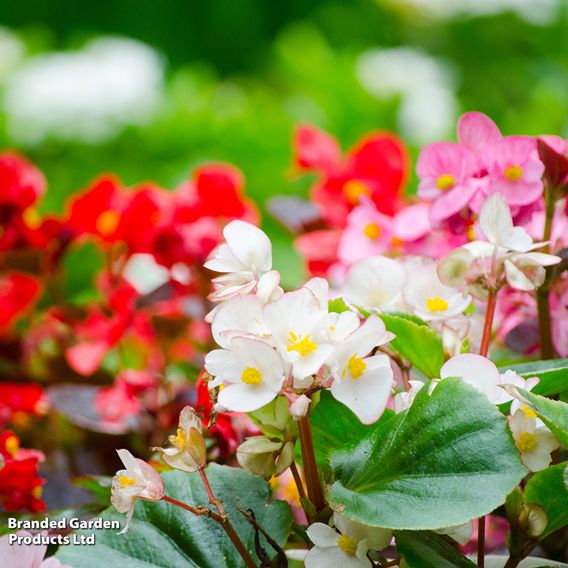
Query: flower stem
(300,486)
(543,293)
(225,523)
(483,351)
(212,499)
(488,324)
(315,493)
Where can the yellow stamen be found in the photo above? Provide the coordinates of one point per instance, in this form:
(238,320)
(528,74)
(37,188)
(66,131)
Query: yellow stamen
(356,366)
(436,304)
(12,445)
(445,181)
(107,222)
(529,412)
(179,439)
(526,442)
(31,218)
(513,173)
(303,345)
(37,492)
(251,376)
(347,544)
(125,481)
(353,190)
(372,231)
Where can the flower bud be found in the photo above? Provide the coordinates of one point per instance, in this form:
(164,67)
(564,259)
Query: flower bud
(299,408)
(262,456)
(188,452)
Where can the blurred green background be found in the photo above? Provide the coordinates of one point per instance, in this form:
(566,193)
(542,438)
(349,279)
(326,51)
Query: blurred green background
(228,80)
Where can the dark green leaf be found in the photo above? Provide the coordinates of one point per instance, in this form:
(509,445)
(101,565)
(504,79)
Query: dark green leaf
(417,343)
(164,535)
(553,375)
(425,549)
(334,425)
(547,488)
(448,459)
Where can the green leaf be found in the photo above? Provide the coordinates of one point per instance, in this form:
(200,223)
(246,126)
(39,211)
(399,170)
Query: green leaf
(553,413)
(334,425)
(162,534)
(416,342)
(338,306)
(446,460)
(547,488)
(425,549)
(553,375)
(81,264)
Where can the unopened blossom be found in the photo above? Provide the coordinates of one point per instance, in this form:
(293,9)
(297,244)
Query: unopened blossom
(265,457)
(251,371)
(188,446)
(362,381)
(507,255)
(374,283)
(299,407)
(346,545)
(431,300)
(244,256)
(298,326)
(138,481)
(446,171)
(533,439)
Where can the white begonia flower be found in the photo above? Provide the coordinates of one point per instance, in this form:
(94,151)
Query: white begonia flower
(404,399)
(477,371)
(244,257)
(431,300)
(374,283)
(242,315)
(507,256)
(138,481)
(339,325)
(362,383)
(251,371)
(298,327)
(188,452)
(511,378)
(347,548)
(533,439)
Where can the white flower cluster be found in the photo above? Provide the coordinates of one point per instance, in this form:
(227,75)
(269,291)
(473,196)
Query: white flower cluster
(274,342)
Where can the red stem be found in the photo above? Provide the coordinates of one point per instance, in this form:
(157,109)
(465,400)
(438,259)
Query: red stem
(315,493)
(212,499)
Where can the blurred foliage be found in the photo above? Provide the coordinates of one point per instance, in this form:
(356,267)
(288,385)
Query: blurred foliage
(240,75)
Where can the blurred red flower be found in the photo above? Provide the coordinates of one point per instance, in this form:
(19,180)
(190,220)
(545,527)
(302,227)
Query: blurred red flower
(20,484)
(376,167)
(18,293)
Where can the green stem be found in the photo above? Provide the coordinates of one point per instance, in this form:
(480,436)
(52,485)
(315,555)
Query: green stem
(315,493)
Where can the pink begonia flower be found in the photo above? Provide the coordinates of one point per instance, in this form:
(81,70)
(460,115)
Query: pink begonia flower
(516,171)
(26,555)
(368,232)
(414,235)
(446,171)
(478,133)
